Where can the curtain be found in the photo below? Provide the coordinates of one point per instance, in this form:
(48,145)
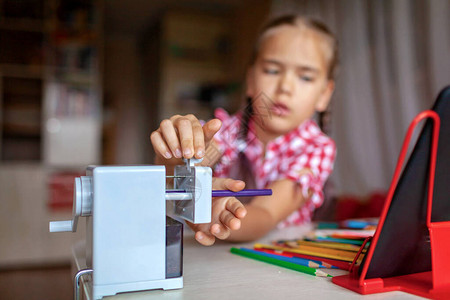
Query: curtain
(394,60)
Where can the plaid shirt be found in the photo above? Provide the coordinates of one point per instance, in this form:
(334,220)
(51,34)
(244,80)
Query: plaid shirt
(304,155)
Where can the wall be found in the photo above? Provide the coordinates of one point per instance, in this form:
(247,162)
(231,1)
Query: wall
(121,81)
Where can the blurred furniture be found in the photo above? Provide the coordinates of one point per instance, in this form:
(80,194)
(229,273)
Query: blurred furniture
(50,117)
(187,63)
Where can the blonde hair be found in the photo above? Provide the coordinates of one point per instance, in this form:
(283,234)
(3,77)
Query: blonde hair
(303,22)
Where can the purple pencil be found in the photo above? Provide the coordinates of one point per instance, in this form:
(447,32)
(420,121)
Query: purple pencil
(243,193)
(227,193)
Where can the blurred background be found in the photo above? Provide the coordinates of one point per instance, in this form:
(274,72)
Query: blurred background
(85,82)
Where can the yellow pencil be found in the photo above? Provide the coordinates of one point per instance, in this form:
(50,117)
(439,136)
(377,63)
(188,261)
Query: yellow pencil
(332,245)
(316,251)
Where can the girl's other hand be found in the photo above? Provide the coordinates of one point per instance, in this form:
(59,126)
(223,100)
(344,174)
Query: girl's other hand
(183,137)
(226,214)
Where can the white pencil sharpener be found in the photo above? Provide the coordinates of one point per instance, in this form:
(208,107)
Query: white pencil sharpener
(131,244)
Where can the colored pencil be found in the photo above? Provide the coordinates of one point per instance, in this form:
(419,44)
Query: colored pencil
(227,193)
(340,264)
(277,262)
(308,261)
(363,223)
(316,251)
(350,236)
(292,259)
(344,233)
(326,252)
(332,245)
(337,240)
(327,225)
(243,193)
(320,239)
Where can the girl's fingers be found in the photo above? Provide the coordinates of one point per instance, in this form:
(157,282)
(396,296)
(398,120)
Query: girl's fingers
(235,207)
(211,128)
(199,139)
(159,145)
(229,220)
(234,185)
(218,183)
(205,239)
(169,134)
(184,136)
(227,183)
(220,231)
(198,136)
(184,127)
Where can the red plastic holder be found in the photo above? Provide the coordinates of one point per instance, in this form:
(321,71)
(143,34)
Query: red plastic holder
(434,284)
(60,190)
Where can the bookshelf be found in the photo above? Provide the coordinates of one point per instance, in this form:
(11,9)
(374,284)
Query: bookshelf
(21,119)
(21,79)
(50,95)
(72,93)
(50,119)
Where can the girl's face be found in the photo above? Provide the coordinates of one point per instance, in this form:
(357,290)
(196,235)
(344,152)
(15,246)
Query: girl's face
(288,81)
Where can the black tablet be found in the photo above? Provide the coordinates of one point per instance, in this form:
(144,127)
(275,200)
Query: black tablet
(403,246)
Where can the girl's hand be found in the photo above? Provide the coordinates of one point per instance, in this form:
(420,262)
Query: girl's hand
(183,137)
(226,214)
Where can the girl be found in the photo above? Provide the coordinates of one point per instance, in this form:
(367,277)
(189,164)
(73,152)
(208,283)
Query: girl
(273,141)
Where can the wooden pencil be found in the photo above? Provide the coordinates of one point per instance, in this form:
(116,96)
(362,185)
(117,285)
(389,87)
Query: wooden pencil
(332,245)
(277,262)
(328,262)
(316,251)
(289,258)
(358,242)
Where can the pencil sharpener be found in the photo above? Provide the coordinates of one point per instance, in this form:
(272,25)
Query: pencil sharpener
(131,242)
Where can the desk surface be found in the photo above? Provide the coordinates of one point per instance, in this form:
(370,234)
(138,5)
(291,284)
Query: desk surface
(215,273)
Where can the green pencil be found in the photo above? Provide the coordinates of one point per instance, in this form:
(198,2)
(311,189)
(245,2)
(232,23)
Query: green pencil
(285,264)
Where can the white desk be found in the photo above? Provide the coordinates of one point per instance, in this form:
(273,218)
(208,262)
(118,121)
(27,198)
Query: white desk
(214,273)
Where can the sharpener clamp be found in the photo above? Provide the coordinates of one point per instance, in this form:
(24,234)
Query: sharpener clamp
(190,162)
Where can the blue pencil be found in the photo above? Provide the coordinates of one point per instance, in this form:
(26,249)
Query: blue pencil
(294,260)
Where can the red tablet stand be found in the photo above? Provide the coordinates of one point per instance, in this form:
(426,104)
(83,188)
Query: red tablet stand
(434,284)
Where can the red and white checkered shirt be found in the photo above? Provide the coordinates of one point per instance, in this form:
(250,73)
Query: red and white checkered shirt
(305,155)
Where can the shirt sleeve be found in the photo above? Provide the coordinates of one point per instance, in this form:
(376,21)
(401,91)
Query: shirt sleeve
(311,170)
